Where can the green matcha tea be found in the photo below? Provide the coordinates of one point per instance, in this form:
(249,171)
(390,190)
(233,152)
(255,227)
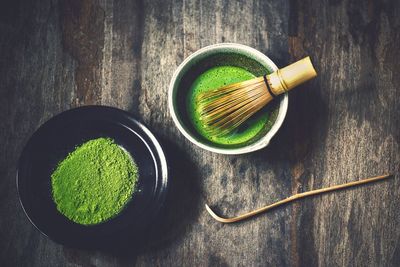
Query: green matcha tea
(94,182)
(216,77)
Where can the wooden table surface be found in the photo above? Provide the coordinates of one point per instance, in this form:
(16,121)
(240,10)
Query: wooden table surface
(340,127)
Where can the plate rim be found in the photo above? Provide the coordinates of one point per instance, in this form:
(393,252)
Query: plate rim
(154,146)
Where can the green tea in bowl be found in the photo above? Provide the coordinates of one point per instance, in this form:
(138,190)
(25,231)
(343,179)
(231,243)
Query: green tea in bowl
(220,76)
(210,68)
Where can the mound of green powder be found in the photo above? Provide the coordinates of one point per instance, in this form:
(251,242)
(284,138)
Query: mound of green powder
(94,182)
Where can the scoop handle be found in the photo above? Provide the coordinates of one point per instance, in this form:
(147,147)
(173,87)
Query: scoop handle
(285,79)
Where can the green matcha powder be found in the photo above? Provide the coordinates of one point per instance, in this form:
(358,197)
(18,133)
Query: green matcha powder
(94,182)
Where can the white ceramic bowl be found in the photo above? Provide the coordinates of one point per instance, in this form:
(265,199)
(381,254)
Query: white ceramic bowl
(201,55)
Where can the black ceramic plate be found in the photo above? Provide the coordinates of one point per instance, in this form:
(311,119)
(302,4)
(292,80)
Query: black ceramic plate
(59,136)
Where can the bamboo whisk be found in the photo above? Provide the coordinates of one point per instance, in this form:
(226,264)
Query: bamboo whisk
(224,109)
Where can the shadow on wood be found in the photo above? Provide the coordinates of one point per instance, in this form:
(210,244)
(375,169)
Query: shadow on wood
(183,197)
(305,122)
(179,211)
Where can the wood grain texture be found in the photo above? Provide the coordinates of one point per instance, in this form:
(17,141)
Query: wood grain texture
(344,125)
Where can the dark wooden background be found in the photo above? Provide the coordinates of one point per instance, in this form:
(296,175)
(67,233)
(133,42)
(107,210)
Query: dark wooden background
(342,126)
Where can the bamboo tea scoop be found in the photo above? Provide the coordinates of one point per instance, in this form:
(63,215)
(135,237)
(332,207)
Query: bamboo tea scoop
(293,198)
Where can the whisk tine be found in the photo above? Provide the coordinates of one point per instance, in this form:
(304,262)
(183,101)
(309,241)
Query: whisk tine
(222,96)
(224,114)
(229,101)
(229,88)
(228,123)
(230,107)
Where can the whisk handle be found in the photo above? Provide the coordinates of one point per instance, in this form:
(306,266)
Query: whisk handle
(291,76)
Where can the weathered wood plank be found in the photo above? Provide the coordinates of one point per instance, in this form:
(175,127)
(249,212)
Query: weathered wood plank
(353,134)
(342,126)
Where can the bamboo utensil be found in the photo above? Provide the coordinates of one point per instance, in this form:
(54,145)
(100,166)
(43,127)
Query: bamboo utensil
(224,109)
(293,198)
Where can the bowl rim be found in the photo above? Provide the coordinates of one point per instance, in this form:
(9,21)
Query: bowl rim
(215,48)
